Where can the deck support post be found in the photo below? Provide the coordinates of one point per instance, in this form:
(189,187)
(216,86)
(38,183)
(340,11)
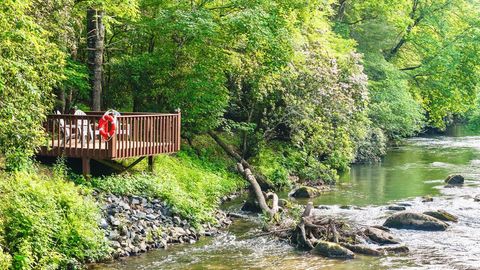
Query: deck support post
(150,163)
(86,167)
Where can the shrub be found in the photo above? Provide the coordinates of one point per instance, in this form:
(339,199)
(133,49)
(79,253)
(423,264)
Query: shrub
(371,148)
(47,223)
(278,161)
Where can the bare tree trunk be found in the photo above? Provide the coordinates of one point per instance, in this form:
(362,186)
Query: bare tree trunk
(95,46)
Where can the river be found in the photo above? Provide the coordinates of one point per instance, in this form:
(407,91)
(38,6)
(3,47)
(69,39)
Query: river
(415,169)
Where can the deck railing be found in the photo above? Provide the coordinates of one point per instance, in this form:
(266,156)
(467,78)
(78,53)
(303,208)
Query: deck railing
(137,134)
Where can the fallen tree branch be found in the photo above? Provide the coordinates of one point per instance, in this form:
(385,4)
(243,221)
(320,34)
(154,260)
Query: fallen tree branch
(260,178)
(257,191)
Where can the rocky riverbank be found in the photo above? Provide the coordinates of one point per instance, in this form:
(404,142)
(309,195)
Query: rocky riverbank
(135,224)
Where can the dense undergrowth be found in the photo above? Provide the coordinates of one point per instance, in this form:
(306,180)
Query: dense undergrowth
(47,222)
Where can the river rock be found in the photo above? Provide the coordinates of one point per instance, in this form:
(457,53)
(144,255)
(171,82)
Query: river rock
(454,179)
(251,206)
(332,250)
(395,250)
(360,249)
(442,215)
(415,221)
(396,208)
(404,204)
(379,236)
(305,192)
(427,199)
(380,227)
(103,224)
(476,198)
(135,224)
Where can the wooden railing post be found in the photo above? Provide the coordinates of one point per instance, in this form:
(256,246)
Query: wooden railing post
(179,125)
(112,144)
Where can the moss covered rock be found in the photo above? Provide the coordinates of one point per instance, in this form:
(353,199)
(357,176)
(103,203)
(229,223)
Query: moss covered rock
(332,250)
(442,215)
(455,179)
(380,236)
(415,221)
(305,192)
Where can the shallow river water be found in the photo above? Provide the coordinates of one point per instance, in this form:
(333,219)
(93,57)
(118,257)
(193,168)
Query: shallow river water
(408,172)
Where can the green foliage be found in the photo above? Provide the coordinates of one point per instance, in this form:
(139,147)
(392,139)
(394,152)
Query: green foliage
(47,223)
(282,162)
(29,67)
(432,52)
(392,107)
(272,163)
(373,147)
(192,187)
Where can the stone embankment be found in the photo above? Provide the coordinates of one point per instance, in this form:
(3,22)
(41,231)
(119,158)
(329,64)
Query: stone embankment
(135,224)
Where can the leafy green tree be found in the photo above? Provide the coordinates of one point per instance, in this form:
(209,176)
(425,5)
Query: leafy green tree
(30,66)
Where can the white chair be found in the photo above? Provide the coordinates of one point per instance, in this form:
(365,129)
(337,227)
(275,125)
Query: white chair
(84,128)
(65,130)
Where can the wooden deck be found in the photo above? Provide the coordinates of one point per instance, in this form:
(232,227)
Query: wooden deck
(137,135)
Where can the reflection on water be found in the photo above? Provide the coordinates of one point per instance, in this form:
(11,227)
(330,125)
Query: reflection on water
(415,169)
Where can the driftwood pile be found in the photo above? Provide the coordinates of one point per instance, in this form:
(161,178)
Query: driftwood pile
(330,237)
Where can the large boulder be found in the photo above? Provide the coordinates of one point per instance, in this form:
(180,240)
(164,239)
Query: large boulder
(332,250)
(415,221)
(305,192)
(442,215)
(455,179)
(380,236)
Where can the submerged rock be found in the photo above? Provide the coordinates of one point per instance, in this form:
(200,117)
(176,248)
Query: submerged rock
(396,208)
(379,236)
(305,192)
(395,250)
(404,204)
(442,215)
(251,206)
(383,228)
(332,250)
(415,221)
(455,179)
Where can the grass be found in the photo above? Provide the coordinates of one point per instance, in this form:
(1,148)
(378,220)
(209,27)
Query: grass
(191,185)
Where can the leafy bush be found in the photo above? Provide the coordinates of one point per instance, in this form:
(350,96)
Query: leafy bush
(372,148)
(47,223)
(191,187)
(271,163)
(280,161)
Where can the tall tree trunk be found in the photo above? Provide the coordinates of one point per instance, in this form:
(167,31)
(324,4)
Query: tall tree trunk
(95,46)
